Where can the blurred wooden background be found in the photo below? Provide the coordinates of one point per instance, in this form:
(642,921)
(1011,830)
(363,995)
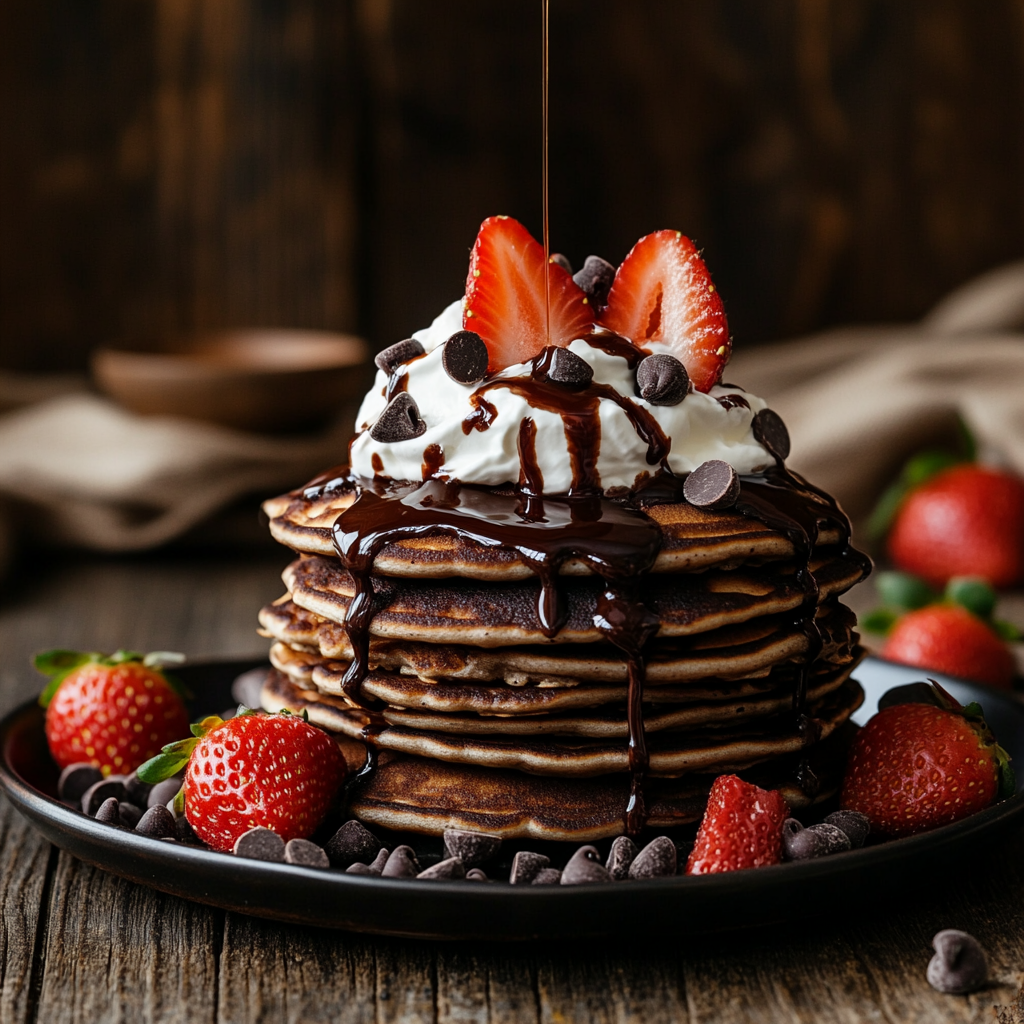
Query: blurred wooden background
(178,164)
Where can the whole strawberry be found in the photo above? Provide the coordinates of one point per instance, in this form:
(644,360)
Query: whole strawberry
(274,771)
(947,638)
(113,711)
(741,828)
(965,520)
(916,766)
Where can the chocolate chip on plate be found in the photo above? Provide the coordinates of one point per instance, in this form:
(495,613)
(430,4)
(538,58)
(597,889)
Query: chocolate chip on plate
(305,854)
(853,823)
(476,875)
(562,261)
(76,779)
(959,964)
(798,843)
(565,367)
(130,814)
(713,484)
(136,790)
(184,832)
(107,812)
(157,822)
(400,421)
(247,687)
(658,859)
(358,868)
(111,786)
(352,842)
(621,855)
(662,380)
(526,865)
(595,278)
(547,876)
(394,355)
(451,867)
(465,357)
(830,838)
(585,867)
(259,844)
(402,863)
(771,432)
(163,792)
(473,847)
(379,862)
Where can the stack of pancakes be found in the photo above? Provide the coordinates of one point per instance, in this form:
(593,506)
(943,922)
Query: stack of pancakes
(481,721)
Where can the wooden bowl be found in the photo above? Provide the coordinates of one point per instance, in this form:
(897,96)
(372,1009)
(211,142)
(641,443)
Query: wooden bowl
(264,380)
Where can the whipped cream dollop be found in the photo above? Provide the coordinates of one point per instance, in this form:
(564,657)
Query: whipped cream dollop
(699,428)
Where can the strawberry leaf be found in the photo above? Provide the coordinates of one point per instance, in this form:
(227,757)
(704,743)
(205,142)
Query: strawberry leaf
(904,591)
(157,659)
(1007,630)
(179,801)
(121,656)
(1007,778)
(881,620)
(163,766)
(972,593)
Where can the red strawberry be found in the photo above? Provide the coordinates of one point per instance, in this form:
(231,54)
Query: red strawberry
(274,771)
(965,521)
(949,639)
(505,300)
(742,828)
(914,767)
(663,292)
(114,712)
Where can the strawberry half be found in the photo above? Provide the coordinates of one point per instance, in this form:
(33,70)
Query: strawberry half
(663,292)
(505,296)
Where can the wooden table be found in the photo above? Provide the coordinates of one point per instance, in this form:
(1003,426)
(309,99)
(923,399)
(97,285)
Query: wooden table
(77,944)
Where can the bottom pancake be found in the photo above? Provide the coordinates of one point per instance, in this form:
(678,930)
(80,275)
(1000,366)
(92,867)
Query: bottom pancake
(426,796)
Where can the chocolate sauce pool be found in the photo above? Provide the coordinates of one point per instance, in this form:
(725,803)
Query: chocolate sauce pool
(614,538)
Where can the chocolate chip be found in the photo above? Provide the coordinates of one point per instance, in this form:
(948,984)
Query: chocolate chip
(473,847)
(163,792)
(585,867)
(566,368)
(130,814)
(157,822)
(379,862)
(394,355)
(799,843)
(547,876)
(595,278)
(771,432)
(853,823)
(401,864)
(959,964)
(662,380)
(358,869)
(476,875)
(76,779)
(465,357)
(136,790)
(259,844)
(305,854)
(526,866)
(184,832)
(830,838)
(621,855)
(350,843)
(400,421)
(713,484)
(111,786)
(452,867)
(562,261)
(656,860)
(107,811)
(248,687)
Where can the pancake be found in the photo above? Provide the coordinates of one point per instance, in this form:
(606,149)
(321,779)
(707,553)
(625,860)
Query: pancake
(745,650)
(312,672)
(671,753)
(493,615)
(693,539)
(425,796)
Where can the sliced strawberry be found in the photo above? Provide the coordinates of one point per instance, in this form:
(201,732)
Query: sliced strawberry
(505,300)
(663,292)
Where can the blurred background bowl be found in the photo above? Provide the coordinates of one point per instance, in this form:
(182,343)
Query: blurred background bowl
(260,379)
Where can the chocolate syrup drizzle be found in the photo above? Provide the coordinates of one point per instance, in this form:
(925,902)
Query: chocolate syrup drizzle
(614,538)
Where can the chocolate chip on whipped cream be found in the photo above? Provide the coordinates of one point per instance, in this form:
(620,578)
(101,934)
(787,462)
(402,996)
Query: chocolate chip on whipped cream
(563,366)
(395,355)
(770,431)
(465,357)
(562,261)
(400,420)
(662,380)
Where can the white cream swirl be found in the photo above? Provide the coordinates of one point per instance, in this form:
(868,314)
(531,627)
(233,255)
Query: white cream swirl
(699,428)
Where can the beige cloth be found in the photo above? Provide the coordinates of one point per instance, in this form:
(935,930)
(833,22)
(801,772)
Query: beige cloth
(858,401)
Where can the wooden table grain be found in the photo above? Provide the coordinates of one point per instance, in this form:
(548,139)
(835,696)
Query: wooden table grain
(77,944)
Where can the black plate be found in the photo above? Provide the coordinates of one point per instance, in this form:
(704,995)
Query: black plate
(461,910)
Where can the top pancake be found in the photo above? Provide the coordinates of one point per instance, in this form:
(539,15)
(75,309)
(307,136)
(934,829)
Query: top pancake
(693,539)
